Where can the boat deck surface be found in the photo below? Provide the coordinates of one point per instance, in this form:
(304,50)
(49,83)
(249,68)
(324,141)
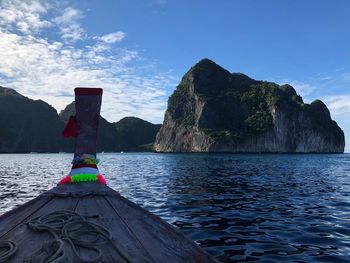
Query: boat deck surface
(139,235)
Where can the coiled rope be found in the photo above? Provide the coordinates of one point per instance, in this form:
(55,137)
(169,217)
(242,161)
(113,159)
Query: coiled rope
(76,230)
(7,249)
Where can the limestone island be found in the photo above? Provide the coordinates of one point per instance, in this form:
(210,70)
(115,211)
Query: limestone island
(213,110)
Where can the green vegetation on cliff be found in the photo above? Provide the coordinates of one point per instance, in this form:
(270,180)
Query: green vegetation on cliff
(135,134)
(235,106)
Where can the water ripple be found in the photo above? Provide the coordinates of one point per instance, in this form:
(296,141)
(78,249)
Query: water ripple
(266,208)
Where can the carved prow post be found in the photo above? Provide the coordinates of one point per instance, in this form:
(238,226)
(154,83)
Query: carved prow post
(87,108)
(84,128)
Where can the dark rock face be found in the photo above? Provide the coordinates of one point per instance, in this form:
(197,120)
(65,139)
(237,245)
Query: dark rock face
(28,125)
(136,134)
(213,110)
(107,135)
(128,134)
(34,126)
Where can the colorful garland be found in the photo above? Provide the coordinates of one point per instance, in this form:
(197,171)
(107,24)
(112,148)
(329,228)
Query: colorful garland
(85,159)
(80,178)
(88,161)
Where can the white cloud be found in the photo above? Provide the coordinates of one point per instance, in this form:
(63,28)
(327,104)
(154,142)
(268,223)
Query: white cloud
(346,76)
(302,88)
(68,23)
(112,37)
(338,105)
(46,69)
(24,16)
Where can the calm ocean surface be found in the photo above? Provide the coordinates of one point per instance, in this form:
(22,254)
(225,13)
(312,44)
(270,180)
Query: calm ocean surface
(266,208)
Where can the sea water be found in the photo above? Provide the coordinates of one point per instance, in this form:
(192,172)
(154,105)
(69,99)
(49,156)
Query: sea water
(266,208)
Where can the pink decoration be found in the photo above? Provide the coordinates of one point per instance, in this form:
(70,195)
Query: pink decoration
(101,179)
(65,180)
(71,128)
(68,180)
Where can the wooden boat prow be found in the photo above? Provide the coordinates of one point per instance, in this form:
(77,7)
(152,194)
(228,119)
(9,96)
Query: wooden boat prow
(138,234)
(128,232)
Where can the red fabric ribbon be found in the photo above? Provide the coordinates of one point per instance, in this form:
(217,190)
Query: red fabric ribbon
(71,128)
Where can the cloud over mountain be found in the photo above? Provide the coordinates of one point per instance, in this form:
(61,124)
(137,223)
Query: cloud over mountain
(46,52)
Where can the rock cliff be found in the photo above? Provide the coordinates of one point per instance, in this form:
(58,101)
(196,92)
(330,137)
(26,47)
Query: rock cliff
(107,136)
(28,125)
(213,110)
(128,134)
(135,134)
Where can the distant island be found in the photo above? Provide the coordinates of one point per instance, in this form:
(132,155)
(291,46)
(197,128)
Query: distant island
(213,110)
(28,125)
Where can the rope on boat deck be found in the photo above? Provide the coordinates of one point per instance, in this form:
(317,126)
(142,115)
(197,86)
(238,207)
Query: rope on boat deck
(74,229)
(7,249)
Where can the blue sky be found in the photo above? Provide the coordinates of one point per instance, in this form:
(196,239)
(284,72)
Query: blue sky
(138,50)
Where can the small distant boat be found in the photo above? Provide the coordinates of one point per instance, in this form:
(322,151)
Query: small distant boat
(83,220)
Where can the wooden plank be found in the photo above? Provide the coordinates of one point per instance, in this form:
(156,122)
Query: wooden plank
(140,235)
(28,240)
(82,189)
(13,218)
(164,242)
(127,244)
